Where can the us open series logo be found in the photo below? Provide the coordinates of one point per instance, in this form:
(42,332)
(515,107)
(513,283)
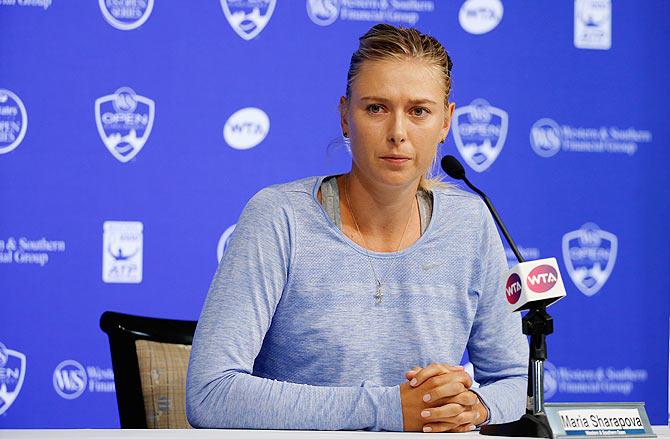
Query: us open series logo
(13,121)
(480,130)
(126,14)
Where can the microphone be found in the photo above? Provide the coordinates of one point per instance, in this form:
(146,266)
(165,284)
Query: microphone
(530,284)
(455,170)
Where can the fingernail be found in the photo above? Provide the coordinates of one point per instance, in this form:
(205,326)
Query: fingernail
(426,397)
(413,382)
(425,413)
(472,427)
(427,429)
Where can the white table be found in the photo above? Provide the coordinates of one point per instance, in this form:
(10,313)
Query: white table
(661,431)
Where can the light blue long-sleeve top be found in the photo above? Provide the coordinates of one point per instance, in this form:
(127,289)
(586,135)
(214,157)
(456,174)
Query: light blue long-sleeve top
(291,337)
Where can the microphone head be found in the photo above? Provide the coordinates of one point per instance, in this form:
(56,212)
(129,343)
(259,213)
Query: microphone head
(534,283)
(453,167)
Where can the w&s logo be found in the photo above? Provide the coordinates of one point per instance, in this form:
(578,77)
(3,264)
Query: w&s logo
(12,373)
(69,379)
(480,131)
(248,17)
(589,254)
(124,120)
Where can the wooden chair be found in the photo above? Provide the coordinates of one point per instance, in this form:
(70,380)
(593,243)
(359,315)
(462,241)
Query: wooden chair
(150,359)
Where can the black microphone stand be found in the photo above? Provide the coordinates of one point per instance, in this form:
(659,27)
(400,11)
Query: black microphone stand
(537,324)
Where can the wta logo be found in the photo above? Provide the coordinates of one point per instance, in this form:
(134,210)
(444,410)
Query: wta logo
(542,279)
(513,288)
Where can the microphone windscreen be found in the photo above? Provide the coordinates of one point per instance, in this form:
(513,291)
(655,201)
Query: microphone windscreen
(453,167)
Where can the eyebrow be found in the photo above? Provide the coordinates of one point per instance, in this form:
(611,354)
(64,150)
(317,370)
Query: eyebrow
(412,101)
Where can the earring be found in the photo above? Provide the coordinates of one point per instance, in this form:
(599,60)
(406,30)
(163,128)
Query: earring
(442,141)
(345,134)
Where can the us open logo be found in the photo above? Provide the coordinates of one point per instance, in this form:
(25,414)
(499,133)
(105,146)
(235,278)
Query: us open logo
(12,374)
(224,240)
(126,14)
(589,254)
(480,131)
(323,12)
(13,121)
(480,16)
(246,128)
(248,17)
(124,120)
(69,379)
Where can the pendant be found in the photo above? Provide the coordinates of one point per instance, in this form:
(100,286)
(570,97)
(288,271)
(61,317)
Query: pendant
(379,294)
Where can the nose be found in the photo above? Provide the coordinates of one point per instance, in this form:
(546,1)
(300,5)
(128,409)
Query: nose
(397,132)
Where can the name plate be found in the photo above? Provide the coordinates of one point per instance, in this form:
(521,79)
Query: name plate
(569,420)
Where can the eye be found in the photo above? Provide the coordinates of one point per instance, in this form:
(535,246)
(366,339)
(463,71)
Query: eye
(420,111)
(374,108)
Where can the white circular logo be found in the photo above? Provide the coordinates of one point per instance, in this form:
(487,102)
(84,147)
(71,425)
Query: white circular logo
(246,128)
(550,380)
(323,12)
(126,14)
(480,16)
(13,121)
(70,379)
(545,137)
(223,242)
(124,100)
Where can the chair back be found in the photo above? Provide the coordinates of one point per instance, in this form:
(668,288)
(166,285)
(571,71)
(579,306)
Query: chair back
(150,359)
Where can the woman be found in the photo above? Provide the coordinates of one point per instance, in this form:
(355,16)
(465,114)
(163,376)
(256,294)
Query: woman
(323,302)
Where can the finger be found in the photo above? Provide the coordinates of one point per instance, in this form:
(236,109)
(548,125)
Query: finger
(467,398)
(411,373)
(441,427)
(445,413)
(463,428)
(432,370)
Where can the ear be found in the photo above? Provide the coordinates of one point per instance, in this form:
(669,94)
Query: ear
(343,107)
(446,124)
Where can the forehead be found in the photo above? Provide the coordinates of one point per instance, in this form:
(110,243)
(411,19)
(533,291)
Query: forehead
(399,79)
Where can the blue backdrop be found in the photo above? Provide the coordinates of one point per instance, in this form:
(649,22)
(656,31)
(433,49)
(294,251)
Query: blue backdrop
(133,133)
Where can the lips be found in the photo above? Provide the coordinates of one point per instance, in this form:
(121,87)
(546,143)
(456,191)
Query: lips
(397,159)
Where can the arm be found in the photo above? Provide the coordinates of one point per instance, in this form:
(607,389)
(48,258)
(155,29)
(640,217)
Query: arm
(497,347)
(221,390)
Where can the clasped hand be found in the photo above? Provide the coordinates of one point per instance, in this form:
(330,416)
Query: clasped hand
(437,398)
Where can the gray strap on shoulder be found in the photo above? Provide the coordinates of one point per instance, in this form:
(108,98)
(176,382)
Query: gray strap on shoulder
(330,199)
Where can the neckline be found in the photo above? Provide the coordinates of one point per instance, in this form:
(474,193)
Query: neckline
(379,255)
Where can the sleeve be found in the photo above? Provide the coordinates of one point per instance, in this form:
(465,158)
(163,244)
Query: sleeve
(221,391)
(497,347)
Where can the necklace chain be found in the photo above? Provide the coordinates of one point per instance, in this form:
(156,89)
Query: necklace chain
(379,294)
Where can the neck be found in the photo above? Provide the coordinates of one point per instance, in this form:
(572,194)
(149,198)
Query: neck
(381,212)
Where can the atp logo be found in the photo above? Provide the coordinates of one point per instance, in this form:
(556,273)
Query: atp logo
(589,254)
(222,246)
(323,12)
(69,379)
(593,24)
(480,131)
(480,16)
(248,17)
(246,128)
(12,374)
(124,120)
(13,121)
(542,279)
(122,251)
(126,14)
(545,137)
(513,288)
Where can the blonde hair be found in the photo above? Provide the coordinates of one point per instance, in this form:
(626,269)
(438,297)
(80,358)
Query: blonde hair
(383,42)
